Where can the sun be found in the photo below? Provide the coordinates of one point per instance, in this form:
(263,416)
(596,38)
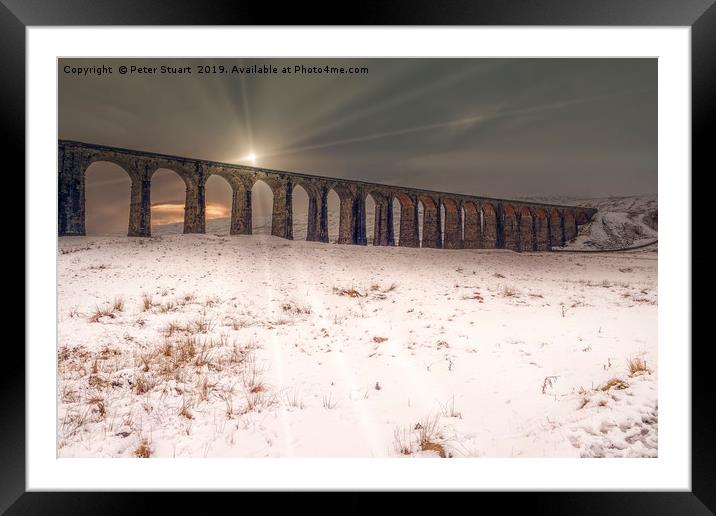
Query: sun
(251,157)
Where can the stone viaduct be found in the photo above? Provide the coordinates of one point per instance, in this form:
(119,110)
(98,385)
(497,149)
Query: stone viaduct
(471,222)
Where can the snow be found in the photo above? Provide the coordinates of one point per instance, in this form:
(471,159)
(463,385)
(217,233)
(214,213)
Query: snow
(303,349)
(620,222)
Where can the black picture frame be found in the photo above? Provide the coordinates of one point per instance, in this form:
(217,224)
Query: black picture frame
(16,15)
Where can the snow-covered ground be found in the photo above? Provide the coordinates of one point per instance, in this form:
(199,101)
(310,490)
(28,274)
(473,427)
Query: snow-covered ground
(254,346)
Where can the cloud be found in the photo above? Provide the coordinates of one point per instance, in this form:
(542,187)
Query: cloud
(581,127)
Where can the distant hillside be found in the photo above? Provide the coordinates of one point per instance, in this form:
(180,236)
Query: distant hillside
(620,221)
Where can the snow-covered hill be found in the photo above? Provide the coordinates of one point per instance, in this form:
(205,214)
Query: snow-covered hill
(620,222)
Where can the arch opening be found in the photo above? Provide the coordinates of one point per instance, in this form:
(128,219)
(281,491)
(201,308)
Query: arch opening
(107,199)
(168,194)
(333,203)
(218,195)
(397,208)
(261,208)
(299,212)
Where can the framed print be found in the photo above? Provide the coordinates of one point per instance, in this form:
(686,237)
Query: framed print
(420,252)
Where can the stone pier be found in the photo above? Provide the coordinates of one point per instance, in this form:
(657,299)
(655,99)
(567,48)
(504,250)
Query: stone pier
(470,221)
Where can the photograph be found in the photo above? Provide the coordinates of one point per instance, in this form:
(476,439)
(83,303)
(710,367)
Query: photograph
(404,258)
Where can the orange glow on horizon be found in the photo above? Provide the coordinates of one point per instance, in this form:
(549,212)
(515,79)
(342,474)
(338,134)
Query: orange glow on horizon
(172,213)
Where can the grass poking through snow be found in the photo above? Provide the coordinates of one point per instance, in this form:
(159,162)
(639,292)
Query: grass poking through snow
(637,366)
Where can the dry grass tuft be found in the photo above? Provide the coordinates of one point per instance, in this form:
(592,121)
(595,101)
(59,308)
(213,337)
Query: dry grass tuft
(293,399)
(238,354)
(256,391)
(448,409)
(350,292)
(257,401)
(328,401)
(294,308)
(73,421)
(172,328)
(429,435)
(143,451)
(548,382)
(434,447)
(98,382)
(378,340)
(143,384)
(107,310)
(201,325)
(98,406)
(185,411)
(228,399)
(118,305)
(69,395)
(166,349)
(376,287)
(253,378)
(101,312)
(402,441)
(204,388)
(637,366)
(211,301)
(615,383)
(147,302)
(203,357)
(164,308)
(185,350)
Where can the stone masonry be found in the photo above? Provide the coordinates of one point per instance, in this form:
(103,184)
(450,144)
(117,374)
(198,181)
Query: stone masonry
(451,221)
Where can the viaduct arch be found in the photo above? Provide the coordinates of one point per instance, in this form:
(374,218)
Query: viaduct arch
(471,222)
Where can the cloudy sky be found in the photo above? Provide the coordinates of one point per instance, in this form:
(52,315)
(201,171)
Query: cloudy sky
(494,127)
